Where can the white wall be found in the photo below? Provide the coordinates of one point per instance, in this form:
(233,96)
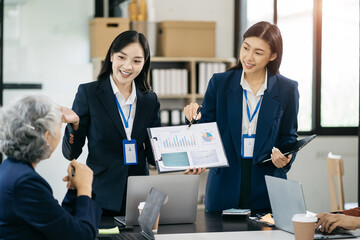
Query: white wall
(310,168)
(47,42)
(222,12)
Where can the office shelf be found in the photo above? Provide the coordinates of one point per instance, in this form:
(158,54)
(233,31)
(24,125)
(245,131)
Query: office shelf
(191,65)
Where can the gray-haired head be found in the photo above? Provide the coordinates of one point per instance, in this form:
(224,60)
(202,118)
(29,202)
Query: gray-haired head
(23,124)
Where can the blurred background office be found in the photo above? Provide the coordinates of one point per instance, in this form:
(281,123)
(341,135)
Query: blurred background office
(46,49)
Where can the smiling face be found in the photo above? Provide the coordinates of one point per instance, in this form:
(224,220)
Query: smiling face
(127,64)
(255,54)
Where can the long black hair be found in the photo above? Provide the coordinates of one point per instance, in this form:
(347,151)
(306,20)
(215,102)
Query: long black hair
(121,41)
(270,33)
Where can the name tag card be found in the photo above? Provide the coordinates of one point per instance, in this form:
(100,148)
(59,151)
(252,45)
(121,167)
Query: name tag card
(130,153)
(248,142)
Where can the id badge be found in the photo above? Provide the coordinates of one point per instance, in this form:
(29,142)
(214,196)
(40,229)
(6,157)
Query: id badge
(130,155)
(248,142)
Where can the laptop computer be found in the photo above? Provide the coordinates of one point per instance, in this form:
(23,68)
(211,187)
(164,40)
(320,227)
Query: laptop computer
(180,205)
(286,200)
(154,202)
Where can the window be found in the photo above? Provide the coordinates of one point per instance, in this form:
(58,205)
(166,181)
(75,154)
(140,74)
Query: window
(259,10)
(321,51)
(340,64)
(297,62)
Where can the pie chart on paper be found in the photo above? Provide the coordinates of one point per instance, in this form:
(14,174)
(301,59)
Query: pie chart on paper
(207,137)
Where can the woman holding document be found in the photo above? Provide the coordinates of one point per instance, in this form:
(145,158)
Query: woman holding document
(256,111)
(113,113)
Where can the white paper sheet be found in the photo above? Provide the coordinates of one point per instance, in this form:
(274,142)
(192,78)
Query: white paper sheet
(180,147)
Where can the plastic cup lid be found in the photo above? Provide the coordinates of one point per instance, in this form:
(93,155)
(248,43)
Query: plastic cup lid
(141,205)
(304,218)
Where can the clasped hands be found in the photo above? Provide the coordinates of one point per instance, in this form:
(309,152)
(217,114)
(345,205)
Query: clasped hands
(79,177)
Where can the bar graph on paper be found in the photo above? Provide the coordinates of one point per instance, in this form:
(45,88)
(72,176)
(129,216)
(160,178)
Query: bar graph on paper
(178,141)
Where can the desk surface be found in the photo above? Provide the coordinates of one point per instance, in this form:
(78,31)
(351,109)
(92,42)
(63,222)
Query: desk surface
(212,226)
(248,235)
(205,222)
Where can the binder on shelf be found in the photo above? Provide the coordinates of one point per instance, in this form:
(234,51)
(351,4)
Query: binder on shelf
(172,117)
(175,117)
(156,81)
(205,73)
(170,81)
(162,81)
(182,117)
(202,77)
(184,79)
(165,117)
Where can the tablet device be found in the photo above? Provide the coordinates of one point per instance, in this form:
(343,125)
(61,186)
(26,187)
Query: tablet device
(292,147)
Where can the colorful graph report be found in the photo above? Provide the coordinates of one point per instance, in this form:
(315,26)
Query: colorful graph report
(180,147)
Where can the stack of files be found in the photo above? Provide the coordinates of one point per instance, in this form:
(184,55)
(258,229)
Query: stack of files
(170,81)
(172,117)
(206,70)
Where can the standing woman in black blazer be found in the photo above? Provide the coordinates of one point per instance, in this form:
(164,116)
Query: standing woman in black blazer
(113,114)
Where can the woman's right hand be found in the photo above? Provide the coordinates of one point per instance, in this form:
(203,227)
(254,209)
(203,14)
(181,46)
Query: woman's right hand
(329,222)
(190,111)
(69,116)
(80,177)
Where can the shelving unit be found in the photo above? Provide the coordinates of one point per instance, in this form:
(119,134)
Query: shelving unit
(191,64)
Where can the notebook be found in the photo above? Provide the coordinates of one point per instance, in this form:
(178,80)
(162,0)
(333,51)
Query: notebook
(180,205)
(152,207)
(286,200)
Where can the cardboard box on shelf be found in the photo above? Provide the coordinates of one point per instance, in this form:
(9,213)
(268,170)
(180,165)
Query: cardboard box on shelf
(186,39)
(103,31)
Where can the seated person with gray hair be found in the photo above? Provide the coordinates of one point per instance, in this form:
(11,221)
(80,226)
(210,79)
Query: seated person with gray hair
(30,130)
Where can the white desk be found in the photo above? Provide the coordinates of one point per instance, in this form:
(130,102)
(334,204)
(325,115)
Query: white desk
(248,235)
(212,226)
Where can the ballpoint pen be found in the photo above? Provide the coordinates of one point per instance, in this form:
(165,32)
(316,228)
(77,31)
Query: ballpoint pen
(194,117)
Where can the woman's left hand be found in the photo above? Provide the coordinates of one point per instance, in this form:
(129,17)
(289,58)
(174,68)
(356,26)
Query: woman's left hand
(278,159)
(195,171)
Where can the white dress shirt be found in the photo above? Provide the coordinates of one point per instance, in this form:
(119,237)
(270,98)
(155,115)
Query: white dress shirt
(125,105)
(252,101)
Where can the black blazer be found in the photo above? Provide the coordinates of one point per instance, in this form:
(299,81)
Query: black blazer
(101,124)
(276,126)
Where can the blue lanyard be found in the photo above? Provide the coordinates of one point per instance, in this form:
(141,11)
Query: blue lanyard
(247,107)
(126,121)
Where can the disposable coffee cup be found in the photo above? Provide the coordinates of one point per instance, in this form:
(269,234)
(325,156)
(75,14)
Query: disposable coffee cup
(156,224)
(304,226)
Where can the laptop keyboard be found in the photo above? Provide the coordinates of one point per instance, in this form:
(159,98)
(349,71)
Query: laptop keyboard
(336,232)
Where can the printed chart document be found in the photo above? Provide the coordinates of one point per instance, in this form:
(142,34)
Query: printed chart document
(180,147)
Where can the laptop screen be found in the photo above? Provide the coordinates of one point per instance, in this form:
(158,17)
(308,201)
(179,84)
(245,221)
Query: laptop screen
(182,197)
(286,199)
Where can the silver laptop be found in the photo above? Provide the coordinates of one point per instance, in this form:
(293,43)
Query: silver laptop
(180,205)
(286,200)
